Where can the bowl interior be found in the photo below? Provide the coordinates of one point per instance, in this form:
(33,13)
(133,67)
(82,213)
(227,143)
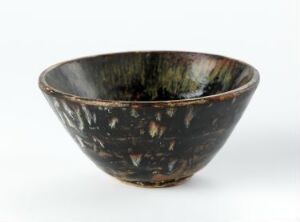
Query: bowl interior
(148,76)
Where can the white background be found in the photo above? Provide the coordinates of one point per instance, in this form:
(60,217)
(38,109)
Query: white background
(45,177)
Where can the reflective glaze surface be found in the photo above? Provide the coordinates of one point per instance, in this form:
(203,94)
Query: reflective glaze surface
(149,76)
(150,118)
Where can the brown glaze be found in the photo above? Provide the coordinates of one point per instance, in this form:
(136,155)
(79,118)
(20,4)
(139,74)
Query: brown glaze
(150,118)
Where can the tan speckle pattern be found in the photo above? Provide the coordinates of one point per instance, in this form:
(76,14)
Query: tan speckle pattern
(113,122)
(153,129)
(104,154)
(97,140)
(171,165)
(67,109)
(88,115)
(162,129)
(158,116)
(142,131)
(172,145)
(188,118)
(80,121)
(69,121)
(155,172)
(233,100)
(134,113)
(80,141)
(136,159)
(170,112)
(159,154)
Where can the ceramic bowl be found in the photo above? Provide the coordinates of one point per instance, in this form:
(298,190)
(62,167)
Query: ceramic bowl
(150,118)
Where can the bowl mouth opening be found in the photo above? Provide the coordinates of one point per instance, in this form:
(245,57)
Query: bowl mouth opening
(226,95)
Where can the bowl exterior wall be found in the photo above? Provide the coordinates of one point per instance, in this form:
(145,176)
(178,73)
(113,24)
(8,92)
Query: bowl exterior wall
(150,144)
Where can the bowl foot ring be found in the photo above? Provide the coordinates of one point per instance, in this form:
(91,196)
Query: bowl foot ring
(160,184)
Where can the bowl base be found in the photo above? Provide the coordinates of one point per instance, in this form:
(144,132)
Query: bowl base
(161,184)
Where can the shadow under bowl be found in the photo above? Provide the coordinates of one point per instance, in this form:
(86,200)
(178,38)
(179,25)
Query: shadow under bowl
(150,118)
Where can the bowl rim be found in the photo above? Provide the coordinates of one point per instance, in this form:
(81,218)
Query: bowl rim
(228,95)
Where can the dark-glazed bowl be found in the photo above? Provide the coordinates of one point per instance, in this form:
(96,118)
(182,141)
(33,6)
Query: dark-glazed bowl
(150,118)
